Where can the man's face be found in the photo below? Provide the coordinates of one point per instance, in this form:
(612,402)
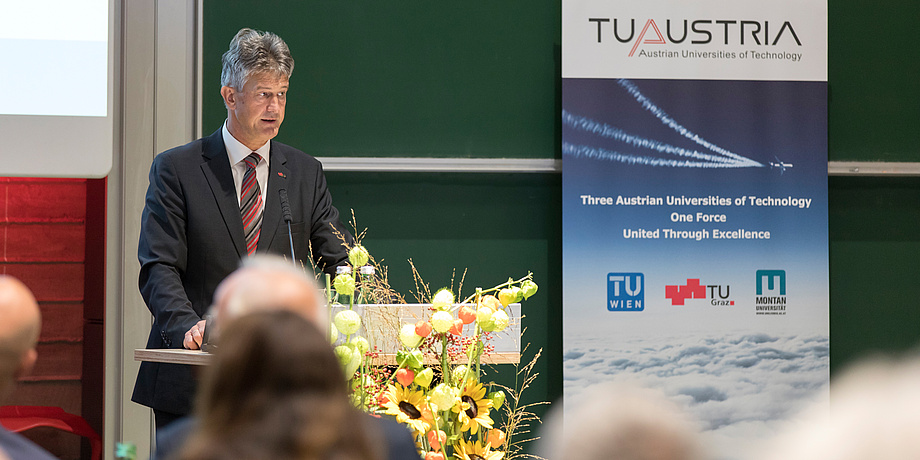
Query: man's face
(256,112)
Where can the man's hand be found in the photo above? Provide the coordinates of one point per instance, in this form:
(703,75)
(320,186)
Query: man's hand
(194,336)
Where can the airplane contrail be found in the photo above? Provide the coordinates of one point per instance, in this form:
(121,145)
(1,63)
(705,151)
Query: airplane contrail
(719,158)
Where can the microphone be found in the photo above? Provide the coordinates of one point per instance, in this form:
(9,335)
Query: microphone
(286,214)
(206,345)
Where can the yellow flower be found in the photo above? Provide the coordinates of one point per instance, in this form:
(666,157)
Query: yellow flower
(473,451)
(473,409)
(408,407)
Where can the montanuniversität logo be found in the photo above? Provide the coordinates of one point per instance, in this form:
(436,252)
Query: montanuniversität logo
(625,291)
(770,296)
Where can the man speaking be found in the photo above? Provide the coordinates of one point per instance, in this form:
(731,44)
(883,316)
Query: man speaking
(218,199)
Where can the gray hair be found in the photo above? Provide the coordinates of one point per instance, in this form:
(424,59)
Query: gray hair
(624,422)
(251,52)
(872,411)
(268,282)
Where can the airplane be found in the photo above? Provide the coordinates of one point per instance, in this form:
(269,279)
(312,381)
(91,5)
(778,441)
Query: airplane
(779,164)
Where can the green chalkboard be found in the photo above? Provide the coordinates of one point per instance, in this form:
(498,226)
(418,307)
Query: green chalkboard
(482,79)
(875,263)
(873,68)
(472,79)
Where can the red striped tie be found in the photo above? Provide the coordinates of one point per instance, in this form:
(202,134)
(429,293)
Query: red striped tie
(251,203)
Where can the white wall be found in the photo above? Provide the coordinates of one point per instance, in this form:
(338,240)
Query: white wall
(157,107)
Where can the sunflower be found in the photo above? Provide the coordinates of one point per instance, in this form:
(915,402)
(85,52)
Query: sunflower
(473,409)
(473,451)
(408,407)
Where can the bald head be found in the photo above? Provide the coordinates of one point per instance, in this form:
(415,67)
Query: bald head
(18,331)
(268,282)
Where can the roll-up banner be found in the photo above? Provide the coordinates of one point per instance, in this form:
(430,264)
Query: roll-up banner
(695,239)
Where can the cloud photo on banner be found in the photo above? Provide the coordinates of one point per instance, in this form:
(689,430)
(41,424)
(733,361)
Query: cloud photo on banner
(739,387)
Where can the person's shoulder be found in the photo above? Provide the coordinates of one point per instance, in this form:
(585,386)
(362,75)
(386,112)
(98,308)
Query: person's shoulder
(192,150)
(170,438)
(293,154)
(18,447)
(398,438)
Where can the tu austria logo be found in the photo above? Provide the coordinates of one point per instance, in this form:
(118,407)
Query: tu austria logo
(698,31)
(625,291)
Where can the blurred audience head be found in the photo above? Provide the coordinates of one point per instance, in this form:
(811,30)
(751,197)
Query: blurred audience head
(269,282)
(874,414)
(275,391)
(618,422)
(20,324)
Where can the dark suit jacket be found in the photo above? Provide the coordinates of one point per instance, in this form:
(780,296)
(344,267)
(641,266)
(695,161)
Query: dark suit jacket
(192,237)
(394,435)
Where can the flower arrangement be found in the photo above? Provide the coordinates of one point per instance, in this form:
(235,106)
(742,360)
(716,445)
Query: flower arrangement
(436,386)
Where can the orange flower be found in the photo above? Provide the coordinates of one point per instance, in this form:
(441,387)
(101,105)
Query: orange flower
(436,439)
(496,438)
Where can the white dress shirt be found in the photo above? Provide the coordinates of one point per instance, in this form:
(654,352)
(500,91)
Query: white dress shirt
(237,152)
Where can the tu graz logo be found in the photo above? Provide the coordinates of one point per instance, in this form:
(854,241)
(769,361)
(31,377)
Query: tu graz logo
(718,294)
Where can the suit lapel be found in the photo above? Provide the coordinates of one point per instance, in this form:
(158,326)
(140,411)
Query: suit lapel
(216,169)
(271,216)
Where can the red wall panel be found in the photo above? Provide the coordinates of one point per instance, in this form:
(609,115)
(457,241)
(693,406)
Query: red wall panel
(59,360)
(42,200)
(50,282)
(43,243)
(62,321)
(42,392)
